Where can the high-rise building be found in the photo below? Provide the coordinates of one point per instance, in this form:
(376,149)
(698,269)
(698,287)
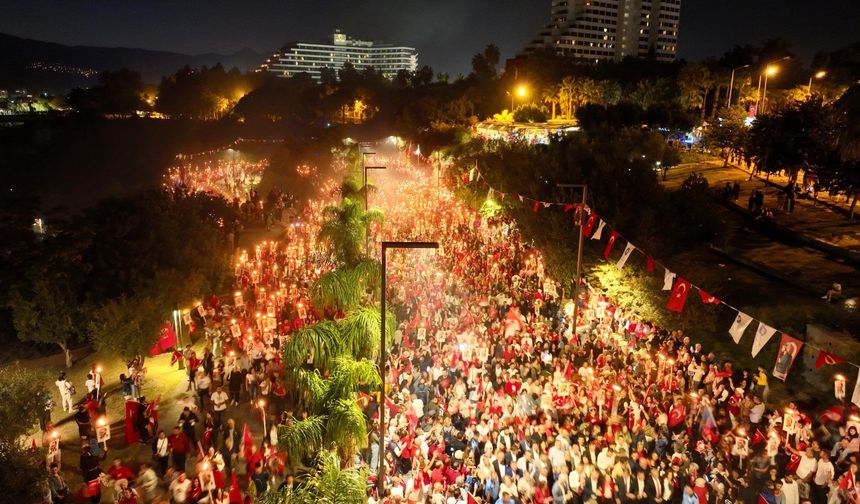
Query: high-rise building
(312,57)
(599,30)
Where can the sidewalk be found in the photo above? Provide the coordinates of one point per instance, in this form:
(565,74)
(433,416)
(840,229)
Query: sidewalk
(811,267)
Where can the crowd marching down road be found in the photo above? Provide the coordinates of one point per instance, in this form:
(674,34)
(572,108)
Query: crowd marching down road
(492,395)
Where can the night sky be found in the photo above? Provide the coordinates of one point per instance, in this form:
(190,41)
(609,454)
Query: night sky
(446,32)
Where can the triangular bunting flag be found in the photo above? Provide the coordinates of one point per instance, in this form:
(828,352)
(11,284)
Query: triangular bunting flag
(679,295)
(612,237)
(490,194)
(521,197)
(599,233)
(668,279)
(707,298)
(762,336)
(855,396)
(649,264)
(568,207)
(536,206)
(739,326)
(827,358)
(589,224)
(625,255)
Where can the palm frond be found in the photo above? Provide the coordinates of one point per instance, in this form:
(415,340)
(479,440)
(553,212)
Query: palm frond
(348,375)
(338,485)
(319,343)
(369,272)
(337,290)
(310,387)
(304,437)
(346,427)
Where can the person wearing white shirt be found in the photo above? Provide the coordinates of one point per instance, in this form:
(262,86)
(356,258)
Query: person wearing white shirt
(575,478)
(823,477)
(556,457)
(605,460)
(807,465)
(790,490)
(179,489)
(219,405)
(65,388)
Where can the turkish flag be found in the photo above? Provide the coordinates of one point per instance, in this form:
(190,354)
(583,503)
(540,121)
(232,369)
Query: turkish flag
(247,441)
(679,295)
(677,414)
(758,437)
(589,224)
(827,358)
(235,492)
(612,237)
(707,298)
(470,499)
(832,414)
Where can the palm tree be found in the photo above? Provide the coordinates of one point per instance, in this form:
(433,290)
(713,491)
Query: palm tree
(565,96)
(336,422)
(329,483)
(696,82)
(344,288)
(345,229)
(550,97)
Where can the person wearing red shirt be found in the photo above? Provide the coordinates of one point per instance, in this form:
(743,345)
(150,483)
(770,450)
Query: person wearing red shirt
(180,446)
(119,472)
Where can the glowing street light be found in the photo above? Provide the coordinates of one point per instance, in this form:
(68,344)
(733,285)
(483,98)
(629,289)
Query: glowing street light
(818,75)
(520,91)
(769,70)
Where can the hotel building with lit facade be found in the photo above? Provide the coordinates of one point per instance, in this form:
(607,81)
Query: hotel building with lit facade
(601,30)
(312,57)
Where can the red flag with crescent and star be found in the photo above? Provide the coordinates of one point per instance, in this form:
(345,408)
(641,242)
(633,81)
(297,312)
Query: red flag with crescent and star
(707,298)
(677,414)
(827,358)
(589,224)
(679,295)
(612,237)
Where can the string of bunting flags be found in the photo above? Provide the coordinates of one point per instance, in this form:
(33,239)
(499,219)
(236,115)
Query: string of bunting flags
(594,228)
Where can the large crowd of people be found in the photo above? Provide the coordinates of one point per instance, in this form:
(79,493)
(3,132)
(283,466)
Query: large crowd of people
(494,395)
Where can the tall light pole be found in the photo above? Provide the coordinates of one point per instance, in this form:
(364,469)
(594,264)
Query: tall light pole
(364,189)
(732,85)
(520,91)
(818,75)
(771,70)
(759,101)
(581,214)
(380,476)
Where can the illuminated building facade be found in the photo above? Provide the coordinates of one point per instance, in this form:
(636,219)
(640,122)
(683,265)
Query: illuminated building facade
(312,57)
(600,30)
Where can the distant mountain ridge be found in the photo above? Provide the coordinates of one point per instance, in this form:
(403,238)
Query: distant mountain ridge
(17,54)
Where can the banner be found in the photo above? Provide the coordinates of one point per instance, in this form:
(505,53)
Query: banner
(679,295)
(789,348)
(612,237)
(625,255)
(599,233)
(855,396)
(739,326)
(762,336)
(827,358)
(589,224)
(668,279)
(707,298)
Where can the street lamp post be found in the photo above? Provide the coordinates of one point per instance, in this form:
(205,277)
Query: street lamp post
(519,91)
(380,482)
(578,280)
(769,68)
(364,188)
(818,75)
(732,85)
